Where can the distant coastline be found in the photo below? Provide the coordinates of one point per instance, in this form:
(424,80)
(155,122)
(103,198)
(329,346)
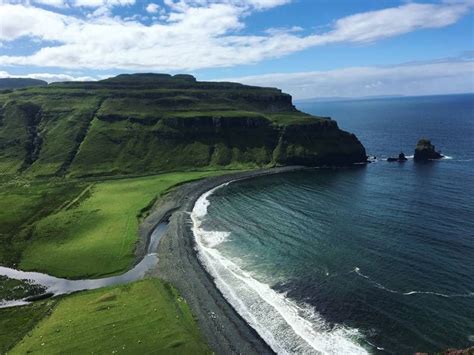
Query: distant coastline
(378,97)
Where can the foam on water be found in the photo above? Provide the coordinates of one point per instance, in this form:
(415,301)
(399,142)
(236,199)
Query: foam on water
(410,293)
(287,327)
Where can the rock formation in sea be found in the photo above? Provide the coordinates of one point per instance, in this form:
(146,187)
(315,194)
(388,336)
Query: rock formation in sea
(425,151)
(401,158)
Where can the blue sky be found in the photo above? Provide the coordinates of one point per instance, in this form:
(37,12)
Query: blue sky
(309,48)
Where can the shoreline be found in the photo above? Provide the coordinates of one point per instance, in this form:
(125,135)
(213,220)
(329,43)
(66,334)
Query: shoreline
(177,261)
(222,327)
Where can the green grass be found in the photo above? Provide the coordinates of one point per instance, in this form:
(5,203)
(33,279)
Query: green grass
(145,317)
(96,235)
(22,204)
(16,322)
(124,126)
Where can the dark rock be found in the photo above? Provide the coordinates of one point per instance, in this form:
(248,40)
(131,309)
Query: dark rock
(425,151)
(401,158)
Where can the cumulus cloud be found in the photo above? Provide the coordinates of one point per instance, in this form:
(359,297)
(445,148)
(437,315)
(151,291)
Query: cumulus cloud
(429,78)
(193,34)
(152,8)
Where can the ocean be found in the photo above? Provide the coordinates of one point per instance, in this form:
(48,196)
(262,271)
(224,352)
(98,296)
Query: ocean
(369,259)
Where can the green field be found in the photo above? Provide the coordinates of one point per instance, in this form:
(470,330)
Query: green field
(16,322)
(22,204)
(75,229)
(91,232)
(144,317)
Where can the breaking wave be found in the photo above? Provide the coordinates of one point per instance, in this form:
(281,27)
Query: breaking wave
(286,326)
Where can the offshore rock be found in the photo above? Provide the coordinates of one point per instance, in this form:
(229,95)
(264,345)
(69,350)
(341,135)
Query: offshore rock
(425,151)
(401,158)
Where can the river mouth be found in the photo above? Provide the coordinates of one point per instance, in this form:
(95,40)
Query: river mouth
(54,286)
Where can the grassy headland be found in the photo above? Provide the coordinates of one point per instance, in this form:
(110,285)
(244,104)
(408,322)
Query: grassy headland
(150,123)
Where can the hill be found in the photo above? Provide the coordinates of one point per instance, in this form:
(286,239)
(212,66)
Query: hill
(149,123)
(18,83)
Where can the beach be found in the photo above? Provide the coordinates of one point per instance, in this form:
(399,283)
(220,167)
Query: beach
(223,328)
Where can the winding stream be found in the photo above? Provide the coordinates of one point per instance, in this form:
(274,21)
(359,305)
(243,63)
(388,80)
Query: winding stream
(57,286)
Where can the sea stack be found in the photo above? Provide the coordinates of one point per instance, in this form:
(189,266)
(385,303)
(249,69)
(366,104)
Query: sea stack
(425,151)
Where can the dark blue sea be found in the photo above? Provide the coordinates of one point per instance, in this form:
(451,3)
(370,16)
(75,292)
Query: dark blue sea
(371,259)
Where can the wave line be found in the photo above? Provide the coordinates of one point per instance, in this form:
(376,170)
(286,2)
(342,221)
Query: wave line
(409,293)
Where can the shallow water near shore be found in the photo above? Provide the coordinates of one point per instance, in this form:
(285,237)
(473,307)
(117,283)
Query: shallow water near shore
(368,259)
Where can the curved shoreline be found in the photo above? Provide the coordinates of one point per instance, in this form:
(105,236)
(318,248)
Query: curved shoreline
(222,327)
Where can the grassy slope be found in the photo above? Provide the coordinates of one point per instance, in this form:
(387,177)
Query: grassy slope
(126,126)
(96,235)
(22,204)
(144,317)
(16,322)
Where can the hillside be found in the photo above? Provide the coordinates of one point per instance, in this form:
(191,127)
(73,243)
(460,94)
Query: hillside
(18,83)
(148,123)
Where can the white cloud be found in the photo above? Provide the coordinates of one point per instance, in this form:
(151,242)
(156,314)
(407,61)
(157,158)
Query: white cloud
(441,77)
(152,8)
(193,34)
(100,3)
(55,3)
(50,78)
(444,76)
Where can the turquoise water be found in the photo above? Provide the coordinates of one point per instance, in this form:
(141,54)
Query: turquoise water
(376,259)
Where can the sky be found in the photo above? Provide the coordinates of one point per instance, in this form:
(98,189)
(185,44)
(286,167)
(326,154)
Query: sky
(308,48)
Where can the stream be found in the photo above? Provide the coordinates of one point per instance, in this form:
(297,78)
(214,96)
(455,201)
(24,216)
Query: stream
(55,286)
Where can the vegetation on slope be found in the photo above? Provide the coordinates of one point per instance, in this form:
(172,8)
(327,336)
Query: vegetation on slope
(22,204)
(144,317)
(144,123)
(16,322)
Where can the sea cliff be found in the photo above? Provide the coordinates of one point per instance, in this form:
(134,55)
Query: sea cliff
(149,123)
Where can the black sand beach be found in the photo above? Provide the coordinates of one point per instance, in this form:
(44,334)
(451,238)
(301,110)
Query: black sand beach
(223,328)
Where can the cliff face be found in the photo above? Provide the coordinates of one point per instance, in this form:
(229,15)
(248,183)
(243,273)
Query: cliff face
(134,124)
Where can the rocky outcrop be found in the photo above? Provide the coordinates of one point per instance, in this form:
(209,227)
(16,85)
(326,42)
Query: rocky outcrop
(425,151)
(401,158)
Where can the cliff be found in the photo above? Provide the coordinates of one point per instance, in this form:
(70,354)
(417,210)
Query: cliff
(145,123)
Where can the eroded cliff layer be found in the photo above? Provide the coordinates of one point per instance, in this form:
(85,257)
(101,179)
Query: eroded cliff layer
(146,123)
